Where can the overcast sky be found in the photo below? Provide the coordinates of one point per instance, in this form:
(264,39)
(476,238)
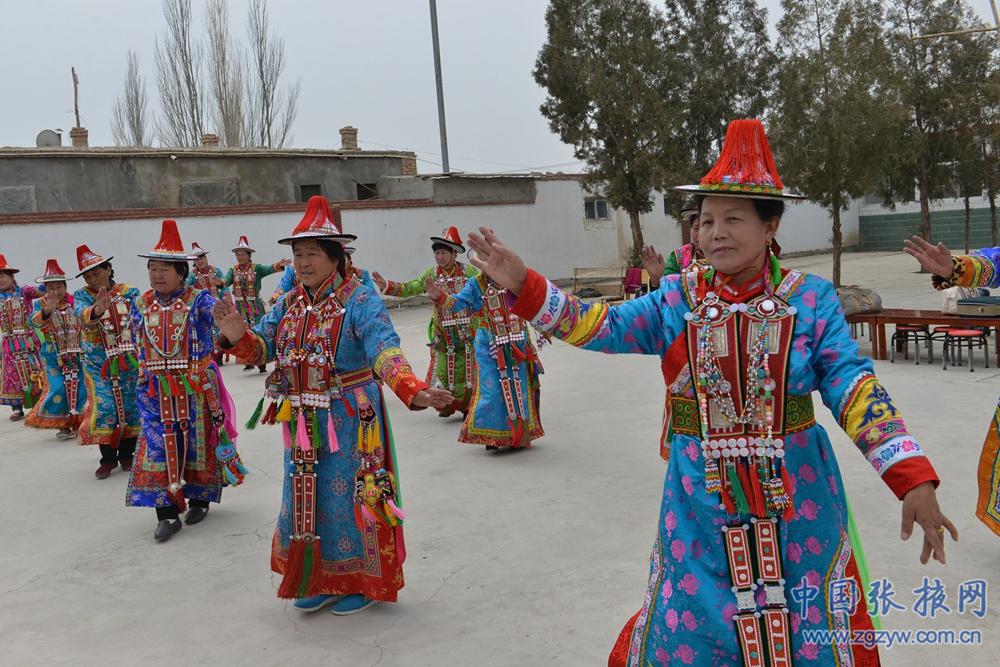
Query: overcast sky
(366,63)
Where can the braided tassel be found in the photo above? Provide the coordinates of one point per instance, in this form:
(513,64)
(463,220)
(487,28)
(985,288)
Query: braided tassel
(255,417)
(301,433)
(315,430)
(739,496)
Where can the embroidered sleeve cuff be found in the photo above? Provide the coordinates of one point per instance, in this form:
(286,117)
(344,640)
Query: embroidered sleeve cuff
(966,271)
(395,371)
(533,297)
(249,349)
(902,465)
(392,288)
(907,475)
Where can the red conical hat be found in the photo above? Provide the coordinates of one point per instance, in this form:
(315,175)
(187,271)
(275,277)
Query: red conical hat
(197,251)
(451,238)
(87,259)
(243,244)
(745,167)
(6,267)
(319,223)
(53,273)
(170,248)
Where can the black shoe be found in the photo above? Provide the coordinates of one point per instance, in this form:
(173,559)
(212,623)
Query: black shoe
(165,529)
(195,515)
(247,368)
(262,369)
(491,448)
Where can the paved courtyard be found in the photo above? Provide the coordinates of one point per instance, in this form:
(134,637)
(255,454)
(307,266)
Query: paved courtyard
(526,558)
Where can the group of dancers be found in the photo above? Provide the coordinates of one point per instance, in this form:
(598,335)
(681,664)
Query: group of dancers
(753,500)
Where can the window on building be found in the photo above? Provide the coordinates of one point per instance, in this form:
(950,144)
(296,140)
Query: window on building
(367,190)
(595,209)
(307,191)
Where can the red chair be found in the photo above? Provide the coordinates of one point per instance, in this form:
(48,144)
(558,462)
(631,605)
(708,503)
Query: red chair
(970,338)
(632,283)
(902,336)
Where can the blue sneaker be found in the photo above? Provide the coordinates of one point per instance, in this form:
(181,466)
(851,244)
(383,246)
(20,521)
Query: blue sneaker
(314,602)
(351,604)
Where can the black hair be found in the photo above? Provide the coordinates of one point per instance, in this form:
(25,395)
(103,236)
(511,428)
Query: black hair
(335,251)
(442,246)
(182,268)
(766,208)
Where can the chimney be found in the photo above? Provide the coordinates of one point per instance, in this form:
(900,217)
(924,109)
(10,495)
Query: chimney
(349,138)
(209,140)
(79,137)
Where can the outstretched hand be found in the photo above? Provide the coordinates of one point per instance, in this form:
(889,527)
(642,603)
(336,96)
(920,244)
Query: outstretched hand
(434,398)
(933,258)
(228,319)
(920,505)
(653,262)
(282,263)
(102,303)
(434,290)
(497,261)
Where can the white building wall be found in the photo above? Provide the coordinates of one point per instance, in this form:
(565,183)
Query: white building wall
(552,235)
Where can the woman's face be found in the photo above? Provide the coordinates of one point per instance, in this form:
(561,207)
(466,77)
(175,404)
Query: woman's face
(242,256)
(163,277)
(444,257)
(312,265)
(695,226)
(98,277)
(6,281)
(732,236)
(55,292)
(201,262)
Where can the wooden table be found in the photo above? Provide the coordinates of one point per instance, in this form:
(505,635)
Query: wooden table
(879,319)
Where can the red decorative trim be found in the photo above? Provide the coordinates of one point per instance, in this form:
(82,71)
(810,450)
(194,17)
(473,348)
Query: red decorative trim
(906,475)
(248,349)
(532,295)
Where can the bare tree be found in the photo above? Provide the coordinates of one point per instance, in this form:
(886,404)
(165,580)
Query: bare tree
(270,111)
(179,79)
(226,74)
(130,113)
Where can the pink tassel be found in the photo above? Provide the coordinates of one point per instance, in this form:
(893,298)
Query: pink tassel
(301,434)
(367,513)
(286,435)
(400,514)
(331,432)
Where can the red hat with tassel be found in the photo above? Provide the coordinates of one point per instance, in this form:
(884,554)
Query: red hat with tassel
(745,167)
(88,259)
(170,248)
(319,222)
(53,273)
(451,238)
(5,267)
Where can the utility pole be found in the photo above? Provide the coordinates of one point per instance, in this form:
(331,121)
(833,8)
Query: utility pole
(442,125)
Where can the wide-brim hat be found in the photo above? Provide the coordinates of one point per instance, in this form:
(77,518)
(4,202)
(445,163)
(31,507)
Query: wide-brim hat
(349,249)
(319,222)
(53,273)
(197,250)
(745,167)
(87,259)
(5,267)
(169,248)
(451,238)
(243,244)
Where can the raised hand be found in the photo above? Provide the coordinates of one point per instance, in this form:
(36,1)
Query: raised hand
(933,258)
(46,307)
(380,281)
(497,261)
(283,263)
(653,262)
(920,505)
(228,319)
(433,397)
(102,303)
(434,290)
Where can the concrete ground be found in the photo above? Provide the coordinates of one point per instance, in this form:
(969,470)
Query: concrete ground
(526,558)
